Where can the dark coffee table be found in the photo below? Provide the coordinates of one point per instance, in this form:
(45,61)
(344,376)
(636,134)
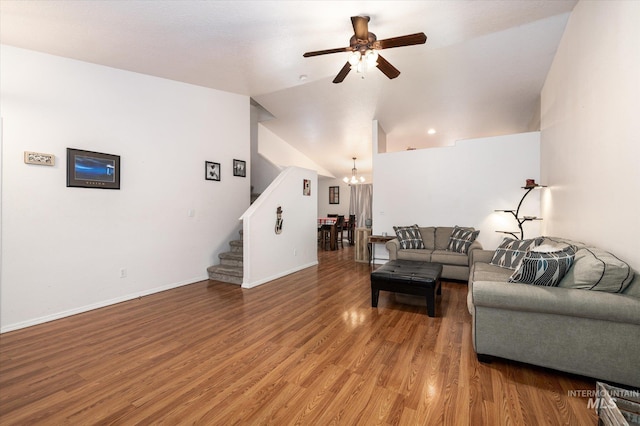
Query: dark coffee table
(408,277)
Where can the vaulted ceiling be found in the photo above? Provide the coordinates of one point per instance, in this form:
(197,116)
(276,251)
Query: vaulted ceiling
(479,74)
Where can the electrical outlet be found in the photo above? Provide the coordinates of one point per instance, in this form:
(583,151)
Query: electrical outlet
(123,273)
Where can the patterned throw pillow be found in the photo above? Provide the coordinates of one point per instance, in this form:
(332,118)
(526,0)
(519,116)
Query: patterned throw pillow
(461,239)
(409,237)
(544,268)
(510,252)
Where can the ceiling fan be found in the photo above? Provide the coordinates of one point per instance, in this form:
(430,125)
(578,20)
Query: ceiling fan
(363,46)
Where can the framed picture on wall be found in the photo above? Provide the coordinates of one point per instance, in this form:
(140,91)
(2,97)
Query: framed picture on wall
(334,195)
(306,187)
(212,171)
(239,168)
(39,159)
(88,169)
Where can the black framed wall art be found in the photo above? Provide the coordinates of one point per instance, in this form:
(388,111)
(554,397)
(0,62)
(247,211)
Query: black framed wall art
(212,170)
(240,168)
(334,195)
(88,169)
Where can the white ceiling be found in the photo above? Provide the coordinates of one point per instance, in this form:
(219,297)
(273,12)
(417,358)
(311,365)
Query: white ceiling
(479,74)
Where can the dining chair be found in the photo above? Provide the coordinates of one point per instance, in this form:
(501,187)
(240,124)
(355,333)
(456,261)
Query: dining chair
(351,229)
(324,235)
(340,231)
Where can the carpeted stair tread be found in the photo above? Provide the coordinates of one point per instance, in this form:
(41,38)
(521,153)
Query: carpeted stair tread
(231,255)
(225,269)
(230,269)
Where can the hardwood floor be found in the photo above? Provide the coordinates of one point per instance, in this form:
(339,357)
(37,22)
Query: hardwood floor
(304,349)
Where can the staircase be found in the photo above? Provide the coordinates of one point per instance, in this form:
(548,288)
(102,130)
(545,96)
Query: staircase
(230,268)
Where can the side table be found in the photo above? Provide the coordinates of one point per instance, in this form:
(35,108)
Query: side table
(377,239)
(362,242)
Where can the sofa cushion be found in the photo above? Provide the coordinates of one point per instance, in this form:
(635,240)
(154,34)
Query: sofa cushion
(428,237)
(461,239)
(421,255)
(596,269)
(443,233)
(409,237)
(450,258)
(545,268)
(486,272)
(559,240)
(510,252)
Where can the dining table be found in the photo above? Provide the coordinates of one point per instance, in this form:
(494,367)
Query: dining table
(329,224)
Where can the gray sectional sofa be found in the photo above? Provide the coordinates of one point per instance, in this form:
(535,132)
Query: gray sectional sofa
(589,324)
(455,266)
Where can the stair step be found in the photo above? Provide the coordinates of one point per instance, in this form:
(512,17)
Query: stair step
(230,269)
(227,274)
(230,258)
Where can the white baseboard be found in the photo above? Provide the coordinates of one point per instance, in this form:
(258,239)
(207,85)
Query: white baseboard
(97,305)
(279,275)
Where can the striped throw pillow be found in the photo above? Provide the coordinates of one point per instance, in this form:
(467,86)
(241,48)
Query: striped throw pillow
(409,237)
(461,239)
(544,268)
(510,252)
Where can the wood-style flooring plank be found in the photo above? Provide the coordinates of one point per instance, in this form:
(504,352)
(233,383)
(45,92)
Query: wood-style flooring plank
(307,348)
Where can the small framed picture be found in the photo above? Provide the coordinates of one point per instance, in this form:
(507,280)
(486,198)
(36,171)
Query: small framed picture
(334,195)
(240,168)
(88,169)
(39,159)
(211,170)
(306,187)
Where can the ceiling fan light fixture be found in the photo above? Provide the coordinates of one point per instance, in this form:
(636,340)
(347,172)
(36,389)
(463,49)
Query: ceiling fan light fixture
(371,58)
(361,63)
(354,58)
(364,44)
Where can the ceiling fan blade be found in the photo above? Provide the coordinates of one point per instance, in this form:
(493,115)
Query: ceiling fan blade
(386,68)
(360,27)
(343,73)
(325,52)
(407,40)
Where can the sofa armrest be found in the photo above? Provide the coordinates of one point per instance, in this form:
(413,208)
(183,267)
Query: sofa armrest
(475,246)
(480,256)
(393,246)
(614,307)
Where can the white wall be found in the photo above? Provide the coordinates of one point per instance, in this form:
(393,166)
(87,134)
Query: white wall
(590,150)
(268,255)
(263,172)
(324,207)
(459,185)
(63,248)
(279,152)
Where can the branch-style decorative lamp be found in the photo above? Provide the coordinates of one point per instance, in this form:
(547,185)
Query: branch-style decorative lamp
(529,186)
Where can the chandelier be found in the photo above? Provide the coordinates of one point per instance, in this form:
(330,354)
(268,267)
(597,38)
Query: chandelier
(354,175)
